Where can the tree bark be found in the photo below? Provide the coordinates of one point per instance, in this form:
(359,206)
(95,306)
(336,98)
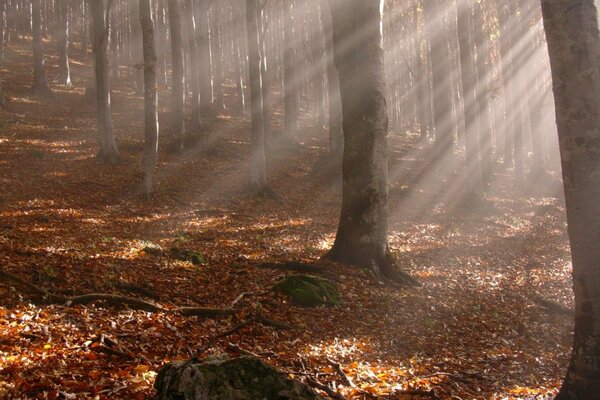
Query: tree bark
(573,36)
(291,78)
(150,96)
(108,148)
(136,47)
(361,238)
(258,176)
(178,106)
(473,187)
(203,59)
(40,85)
(61,18)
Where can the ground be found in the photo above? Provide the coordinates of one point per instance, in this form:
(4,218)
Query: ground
(71,225)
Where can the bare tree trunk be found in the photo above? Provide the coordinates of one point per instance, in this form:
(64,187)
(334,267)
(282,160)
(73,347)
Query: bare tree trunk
(192,33)
(136,46)
(150,96)
(336,135)
(3,28)
(258,176)
(108,148)
(573,35)
(62,41)
(203,59)
(361,238)
(40,85)
(178,106)
(291,78)
(473,187)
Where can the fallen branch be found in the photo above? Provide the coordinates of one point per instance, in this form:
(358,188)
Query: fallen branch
(338,368)
(118,300)
(330,392)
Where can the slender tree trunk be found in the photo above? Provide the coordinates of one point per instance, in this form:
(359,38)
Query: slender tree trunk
(361,238)
(258,176)
(420,79)
(150,96)
(40,85)
(84,28)
(62,41)
(291,78)
(136,47)
(114,42)
(473,188)
(192,33)
(3,28)
(573,35)
(217,55)
(203,58)
(178,96)
(336,135)
(108,148)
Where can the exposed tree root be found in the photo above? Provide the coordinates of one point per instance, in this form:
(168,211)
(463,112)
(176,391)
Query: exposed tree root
(265,192)
(117,300)
(330,392)
(553,306)
(383,267)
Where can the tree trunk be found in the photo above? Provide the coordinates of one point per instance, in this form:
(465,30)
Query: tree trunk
(572,31)
(3,28)
(108,148)
(291,78)
(203,59)
(473,187)
(136,47)
(61,18)
(336,135)
(40,85)
(361,238)
(258,177)
(192,47)
(150,96)
(178,106)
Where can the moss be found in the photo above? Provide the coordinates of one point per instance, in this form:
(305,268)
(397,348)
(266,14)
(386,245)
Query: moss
(187,255)
(309,290)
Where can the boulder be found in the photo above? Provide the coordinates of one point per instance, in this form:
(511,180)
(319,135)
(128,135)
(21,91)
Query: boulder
(225,378)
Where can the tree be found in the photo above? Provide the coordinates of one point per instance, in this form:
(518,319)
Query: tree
(178,106)
(62,42)
(108,147)
(150,96)
(40,85)
(290,74)
(362,232)
(573,36)
(258,174)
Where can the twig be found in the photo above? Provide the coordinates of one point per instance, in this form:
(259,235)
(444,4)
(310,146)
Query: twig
(330,392)
(338,368)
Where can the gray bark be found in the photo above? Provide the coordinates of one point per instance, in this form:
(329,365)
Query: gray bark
(178,95)
(573,36)
(40,85)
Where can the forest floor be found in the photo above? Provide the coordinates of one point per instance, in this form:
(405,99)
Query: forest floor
(475,329)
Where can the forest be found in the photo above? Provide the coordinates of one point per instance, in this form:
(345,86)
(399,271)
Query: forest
(300,199)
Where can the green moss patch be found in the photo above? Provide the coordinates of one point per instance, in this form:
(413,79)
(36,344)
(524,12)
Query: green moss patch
(309,290)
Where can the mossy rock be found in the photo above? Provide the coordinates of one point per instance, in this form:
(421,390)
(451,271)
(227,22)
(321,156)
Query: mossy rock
(187,255)
(224,378)
(150,248)
(309,290)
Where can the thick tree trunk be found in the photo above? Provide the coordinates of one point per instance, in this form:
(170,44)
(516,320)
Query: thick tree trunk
(108,148)
(178,106)
(573,35)
(150,97)
(258,176)
(361,238)
(40,85)
(61,18)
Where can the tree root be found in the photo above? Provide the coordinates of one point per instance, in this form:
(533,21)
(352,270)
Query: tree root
(264,192)
(117,300)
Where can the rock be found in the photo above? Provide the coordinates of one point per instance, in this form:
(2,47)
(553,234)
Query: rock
(224,378)
(187,255)
(151,248)
(309,290)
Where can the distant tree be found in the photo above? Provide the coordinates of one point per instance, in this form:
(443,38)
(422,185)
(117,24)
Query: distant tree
(40,85)
(108,148)
(290,74)
(258,174)
(3,27)
(150,96)
(61,18)
(178,105)
(361,238)
(573,35)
